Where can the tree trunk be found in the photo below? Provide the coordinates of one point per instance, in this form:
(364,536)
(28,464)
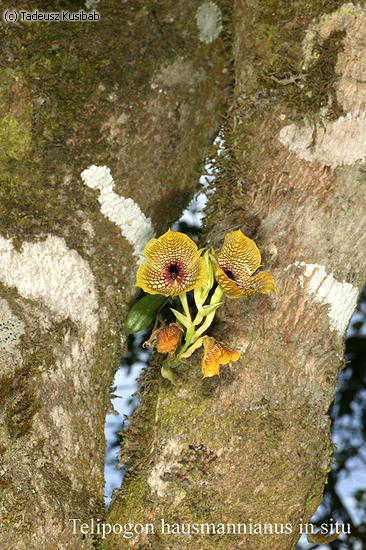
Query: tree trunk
(252,446)
(104,126)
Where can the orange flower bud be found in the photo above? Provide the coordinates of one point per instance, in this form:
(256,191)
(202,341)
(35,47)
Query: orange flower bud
(167,338)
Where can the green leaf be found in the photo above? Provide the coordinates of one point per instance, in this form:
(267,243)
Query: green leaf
(182,318)
(206,310)
(211,307)
(143,312)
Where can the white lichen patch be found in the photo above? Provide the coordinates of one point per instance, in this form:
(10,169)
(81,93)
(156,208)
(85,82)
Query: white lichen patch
(343,141)
(125,213)
(341,297)
(11,328)
(209,22)
(167,462)
(337,143)
(52,273)
(319,30)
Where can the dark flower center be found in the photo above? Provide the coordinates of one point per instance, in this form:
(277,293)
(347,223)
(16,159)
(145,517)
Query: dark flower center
(174,271)
(229,273)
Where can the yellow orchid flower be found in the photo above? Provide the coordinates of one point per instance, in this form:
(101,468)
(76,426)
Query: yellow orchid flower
(235,265)
(215,354)
(173,265)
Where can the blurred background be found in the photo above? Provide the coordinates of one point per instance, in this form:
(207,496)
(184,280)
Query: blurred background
(345,494)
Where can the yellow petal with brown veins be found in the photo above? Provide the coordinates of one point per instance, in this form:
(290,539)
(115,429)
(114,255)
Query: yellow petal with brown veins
(215,354)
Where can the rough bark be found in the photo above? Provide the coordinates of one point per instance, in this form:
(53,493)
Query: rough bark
(253,445)
(139,93)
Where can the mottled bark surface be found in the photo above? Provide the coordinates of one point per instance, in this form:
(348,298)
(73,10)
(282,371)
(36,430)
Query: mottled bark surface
(253,445)
(139,93)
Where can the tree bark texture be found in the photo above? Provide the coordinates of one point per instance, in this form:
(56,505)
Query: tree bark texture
(253,445)
(138,97)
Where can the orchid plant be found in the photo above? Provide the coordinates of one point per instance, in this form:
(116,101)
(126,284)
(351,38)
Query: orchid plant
(173,267)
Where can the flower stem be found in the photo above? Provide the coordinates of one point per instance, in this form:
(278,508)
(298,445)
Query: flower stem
(192,335)
(184,301)
(198,343)
(216,297)
(188,339)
